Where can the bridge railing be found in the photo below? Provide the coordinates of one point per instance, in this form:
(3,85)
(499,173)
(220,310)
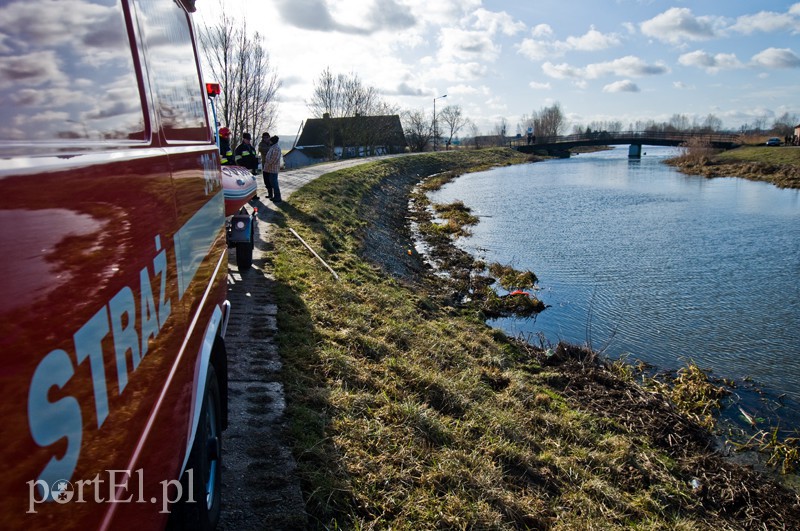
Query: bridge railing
(629,136)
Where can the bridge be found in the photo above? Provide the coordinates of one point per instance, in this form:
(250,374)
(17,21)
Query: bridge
(560,145)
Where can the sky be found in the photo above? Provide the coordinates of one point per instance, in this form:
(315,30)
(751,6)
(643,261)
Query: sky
(600,60)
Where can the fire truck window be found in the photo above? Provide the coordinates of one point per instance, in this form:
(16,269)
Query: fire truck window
(179,95)
(67,73)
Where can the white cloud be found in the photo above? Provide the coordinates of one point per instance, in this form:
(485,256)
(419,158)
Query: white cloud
(496,104)
(625,66)
(539,86)
(767,21)
(680,85)
(467,90)
(593,40)
(710,63)
(494,22)
(777,58)
(624,85)
(562,71)
(48,116)
(318,15)
(678,24)
(467,45)
(537,48)
(389,15)
(405,88)
(31,70)
(459,72)
(542,30)
(311,15)
(629,66)
(439,13)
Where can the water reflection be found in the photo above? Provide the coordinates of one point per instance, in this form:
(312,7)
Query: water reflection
(68,72)
(658,265)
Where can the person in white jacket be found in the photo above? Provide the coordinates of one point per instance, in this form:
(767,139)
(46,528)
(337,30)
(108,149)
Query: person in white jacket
(263,147)
(272,165)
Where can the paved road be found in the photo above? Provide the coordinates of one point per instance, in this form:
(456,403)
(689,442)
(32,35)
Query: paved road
(260,485)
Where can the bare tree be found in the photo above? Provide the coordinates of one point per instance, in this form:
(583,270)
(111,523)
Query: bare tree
(760,123)
(341,95)
(241,65)
(454,120)
(549,121)
(475,132)
(784,124)
(612,126)
(678,122)
(711,124)
(346,100)
(500,131)
(417,128)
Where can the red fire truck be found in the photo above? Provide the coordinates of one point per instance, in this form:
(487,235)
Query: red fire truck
(113,265)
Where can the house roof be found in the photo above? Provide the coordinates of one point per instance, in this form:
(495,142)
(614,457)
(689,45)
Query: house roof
(353,130)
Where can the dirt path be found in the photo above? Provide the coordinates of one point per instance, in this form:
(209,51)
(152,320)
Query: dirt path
(260,487)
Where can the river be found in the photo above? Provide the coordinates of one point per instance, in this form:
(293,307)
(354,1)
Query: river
(640,261)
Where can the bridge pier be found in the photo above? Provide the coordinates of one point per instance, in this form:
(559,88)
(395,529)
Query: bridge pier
(635,151)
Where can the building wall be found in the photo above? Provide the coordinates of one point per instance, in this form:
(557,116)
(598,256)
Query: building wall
(297,159)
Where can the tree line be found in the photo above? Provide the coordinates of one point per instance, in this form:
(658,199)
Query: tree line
(248,102)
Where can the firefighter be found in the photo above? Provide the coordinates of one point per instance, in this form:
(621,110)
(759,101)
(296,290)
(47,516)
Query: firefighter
(246,154)
(225,153)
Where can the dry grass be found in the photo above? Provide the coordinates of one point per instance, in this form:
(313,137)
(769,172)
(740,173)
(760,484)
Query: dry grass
(777,165)
(693,392)
(697,151)
(408,412)
(457,217)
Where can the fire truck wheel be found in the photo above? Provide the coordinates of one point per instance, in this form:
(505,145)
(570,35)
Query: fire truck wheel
(203,485)
(244,255)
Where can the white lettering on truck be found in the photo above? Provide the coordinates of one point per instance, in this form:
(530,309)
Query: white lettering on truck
(211,173)
(49,421)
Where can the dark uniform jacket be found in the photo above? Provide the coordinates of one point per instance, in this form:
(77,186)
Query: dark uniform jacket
(225,153)
(246,156)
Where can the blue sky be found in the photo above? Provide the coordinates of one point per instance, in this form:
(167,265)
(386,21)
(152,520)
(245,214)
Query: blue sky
(626,60)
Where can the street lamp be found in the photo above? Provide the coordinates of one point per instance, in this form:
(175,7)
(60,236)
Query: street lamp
(435,132)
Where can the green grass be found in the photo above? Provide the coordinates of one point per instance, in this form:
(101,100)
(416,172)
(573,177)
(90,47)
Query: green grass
(406,413)
(777,165)
(762,154)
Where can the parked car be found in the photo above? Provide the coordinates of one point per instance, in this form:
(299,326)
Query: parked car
(774,141)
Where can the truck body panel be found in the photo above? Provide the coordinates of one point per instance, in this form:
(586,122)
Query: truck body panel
(113,259)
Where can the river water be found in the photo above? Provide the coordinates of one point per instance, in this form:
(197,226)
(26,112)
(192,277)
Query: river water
(638,260)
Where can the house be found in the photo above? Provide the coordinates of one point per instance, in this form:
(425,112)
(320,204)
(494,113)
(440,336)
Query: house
(328,138)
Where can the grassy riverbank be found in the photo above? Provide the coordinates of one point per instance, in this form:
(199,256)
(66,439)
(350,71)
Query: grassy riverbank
(408,412)
(777,165)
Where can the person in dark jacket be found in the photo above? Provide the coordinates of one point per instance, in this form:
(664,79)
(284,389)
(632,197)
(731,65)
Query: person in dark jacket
(225,152)
(245,154)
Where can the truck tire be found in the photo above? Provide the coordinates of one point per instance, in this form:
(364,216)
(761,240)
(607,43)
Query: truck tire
(200,507)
